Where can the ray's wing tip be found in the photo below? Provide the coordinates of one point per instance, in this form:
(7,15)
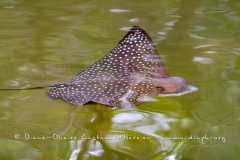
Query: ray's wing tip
(136,28)
(139,30)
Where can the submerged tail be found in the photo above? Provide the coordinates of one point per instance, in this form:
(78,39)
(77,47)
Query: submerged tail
(56,86)
(31,88)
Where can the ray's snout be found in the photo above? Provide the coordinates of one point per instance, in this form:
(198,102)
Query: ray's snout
(172,85)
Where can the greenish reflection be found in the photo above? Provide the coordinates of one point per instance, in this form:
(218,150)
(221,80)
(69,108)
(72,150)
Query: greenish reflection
(118,133)
(44,42)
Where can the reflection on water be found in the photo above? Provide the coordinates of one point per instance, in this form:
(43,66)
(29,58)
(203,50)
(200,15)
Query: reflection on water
(47,42)
(124,131)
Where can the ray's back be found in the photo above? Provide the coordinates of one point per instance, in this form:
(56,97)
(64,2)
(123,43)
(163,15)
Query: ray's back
(120,78)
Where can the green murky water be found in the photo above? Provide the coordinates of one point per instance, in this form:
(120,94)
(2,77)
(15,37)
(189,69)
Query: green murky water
(44,42)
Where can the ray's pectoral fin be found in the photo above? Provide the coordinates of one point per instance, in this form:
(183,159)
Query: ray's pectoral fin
(69,93)
(172,86)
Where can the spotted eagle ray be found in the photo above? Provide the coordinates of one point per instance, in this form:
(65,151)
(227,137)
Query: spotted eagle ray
(131,74)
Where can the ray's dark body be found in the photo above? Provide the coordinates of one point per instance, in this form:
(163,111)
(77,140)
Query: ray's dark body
(132,73)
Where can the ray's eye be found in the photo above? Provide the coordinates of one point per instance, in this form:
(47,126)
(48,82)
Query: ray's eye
(160,89)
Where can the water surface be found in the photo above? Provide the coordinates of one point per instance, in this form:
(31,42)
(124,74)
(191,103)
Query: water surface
(51,41)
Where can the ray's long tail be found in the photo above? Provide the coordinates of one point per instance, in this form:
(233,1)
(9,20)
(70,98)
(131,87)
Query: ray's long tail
(56,86)
(31,88)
